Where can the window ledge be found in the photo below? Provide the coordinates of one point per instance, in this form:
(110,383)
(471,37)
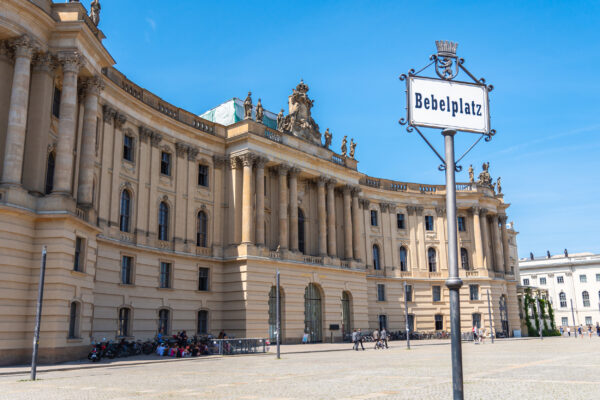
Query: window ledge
(169,289)
(127,284)
(74,340)
(203,291)
(78,273)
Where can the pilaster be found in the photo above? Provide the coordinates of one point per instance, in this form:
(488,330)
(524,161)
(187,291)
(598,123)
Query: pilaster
(331,232)
(294,208)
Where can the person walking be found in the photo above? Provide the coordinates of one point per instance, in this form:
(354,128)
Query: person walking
(384,338)
(569,331)
(355,340)
(579,330)
(475,338)
(360,339)
(598,328)
(590,330)
(375,335)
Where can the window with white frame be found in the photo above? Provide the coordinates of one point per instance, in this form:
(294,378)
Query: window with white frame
(564,321)
(560,279)
(583,278)
(526,281)
(436,293)
(428,223)
(542,281)
(586,298)
(563,300)
(588,320)
(473,292)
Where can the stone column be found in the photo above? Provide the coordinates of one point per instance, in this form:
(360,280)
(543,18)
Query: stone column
(247,223)
(63,172)
(486,239)
(39,118)
(17,112)
(497,246)
(348,223)
(283,207)
(217,185)
(294,209)
(331,242)
(412,231)
(235,205)
(422,250)
(260,201)
(505,250)
(322,215)
(477,238)
(92,87)
(356,225)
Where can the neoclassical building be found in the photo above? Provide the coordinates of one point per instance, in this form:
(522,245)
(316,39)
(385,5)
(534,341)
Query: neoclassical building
(158,220)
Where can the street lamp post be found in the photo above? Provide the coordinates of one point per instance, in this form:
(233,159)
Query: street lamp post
(277,299)
(38,316)
(539,311)
(406,316)
(490,316)
(573,315)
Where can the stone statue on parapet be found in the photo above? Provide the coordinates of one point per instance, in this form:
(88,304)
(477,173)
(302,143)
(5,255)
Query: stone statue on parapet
(471,174)
(485,179)
(280,121)
(352,148)
(248,106)
(344,146)
(299,121)
(498,186)
(95,12)
(260,112)
(328,137)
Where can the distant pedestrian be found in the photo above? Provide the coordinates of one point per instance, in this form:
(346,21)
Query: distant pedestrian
(569,331)
(580,331)
(598,328)
(375,335)
(561,331)
(355,340)
(360,340)
(481,335)
(475,338)
(590,331)
(384,338)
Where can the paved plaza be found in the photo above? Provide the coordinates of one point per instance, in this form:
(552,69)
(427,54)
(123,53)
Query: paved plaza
(555,368)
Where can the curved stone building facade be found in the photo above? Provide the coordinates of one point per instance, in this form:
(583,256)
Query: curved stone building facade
(158,220)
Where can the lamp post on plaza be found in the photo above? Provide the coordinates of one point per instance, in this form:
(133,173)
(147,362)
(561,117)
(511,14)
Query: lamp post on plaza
(490,314)
(451,106)
(277,299)
(573,315)
(406,316)
(38,315)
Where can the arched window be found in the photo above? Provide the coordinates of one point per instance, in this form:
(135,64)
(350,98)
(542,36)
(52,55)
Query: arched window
(563,299)
(201,229)
(124,317)
(50,173)
(163,322)
(464,258)
(125,211)
(74,320)
(301,243)
(403,259)
(431,258)
(376,264)
(163,221)
(586,298)
(202,322)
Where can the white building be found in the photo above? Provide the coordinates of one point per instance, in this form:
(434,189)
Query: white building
(569,278)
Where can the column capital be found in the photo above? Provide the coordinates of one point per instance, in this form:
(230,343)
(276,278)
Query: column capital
(347,189)
(418,210)
(483,212)
(144,133)
(502,218)
(23,46)
(248,159)
(181,148)
(474,210)
(392,207)
(219,161)
(261,161)
(294,171)
(6,52)
(120,120)
(71,61)
(93,85)
(356,191)
(192,153)
(331,183)
(364,203)
(440,211)
(109,113)
(155,138)
(383,207)
(321,181)
(283,169)
(43,62)
(234,162)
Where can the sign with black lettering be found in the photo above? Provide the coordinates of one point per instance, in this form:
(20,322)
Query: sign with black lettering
(437,103)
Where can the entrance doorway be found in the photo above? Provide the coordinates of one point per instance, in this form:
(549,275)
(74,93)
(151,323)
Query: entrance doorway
(346,314)
(273,314)
(313,319)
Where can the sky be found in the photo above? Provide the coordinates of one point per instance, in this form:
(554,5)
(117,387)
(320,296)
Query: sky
(541,56)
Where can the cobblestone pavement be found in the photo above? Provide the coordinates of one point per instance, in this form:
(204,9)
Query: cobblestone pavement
(555,368)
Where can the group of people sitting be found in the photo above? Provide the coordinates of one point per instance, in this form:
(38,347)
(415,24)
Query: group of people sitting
(180,346)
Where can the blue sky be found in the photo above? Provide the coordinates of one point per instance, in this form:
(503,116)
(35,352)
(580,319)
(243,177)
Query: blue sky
(542,58)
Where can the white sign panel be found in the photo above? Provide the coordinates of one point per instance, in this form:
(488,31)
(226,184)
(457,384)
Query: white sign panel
(436,103)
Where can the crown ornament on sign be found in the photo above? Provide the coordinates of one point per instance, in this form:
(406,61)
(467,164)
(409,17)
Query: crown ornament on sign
(446,48)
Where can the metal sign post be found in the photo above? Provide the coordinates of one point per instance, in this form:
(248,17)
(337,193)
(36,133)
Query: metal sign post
(490,314)
(452,106)
(539,311)
(406,316)
(278,319)
(573,315)
(38,315)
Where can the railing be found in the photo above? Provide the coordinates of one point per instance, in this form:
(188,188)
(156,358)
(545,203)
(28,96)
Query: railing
(276,137)
(472,273)
(203,251)
(313,260)
(345,264)
(370,182)
(163,244)
(379,272)
(405,274)
(398,187)
(427,189)
(274,254)
(464,186)
(228,347)
(337,159)
(80,213)
(435,274)
(126,237)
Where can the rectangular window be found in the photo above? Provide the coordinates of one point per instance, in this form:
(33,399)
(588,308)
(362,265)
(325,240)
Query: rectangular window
(123,322)
(383,322)
(462,227)
(474,292)
(411,322)
(597,277)
(542,281)
(126,270)
(583,278)
(400,221)
(564,321)
(127,148)
(439,322)
(165,163)
(428,223)
(409,295)
(477,320)
(203,175)
(56,102)
(560,279)
(526,281)
(373,217)
(436,293)
(380,292)
(203,279)
(165,275)
(588,320)
(79,254)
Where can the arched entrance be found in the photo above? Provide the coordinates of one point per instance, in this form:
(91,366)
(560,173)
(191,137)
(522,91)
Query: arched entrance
(346,313)
(313,317)
(273,313)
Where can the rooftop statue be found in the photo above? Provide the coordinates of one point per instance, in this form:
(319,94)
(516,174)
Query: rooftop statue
(344,146)
(248,106)
(471,174)
(328,137)
(498,186)
(95,12)
(485,179)
(260,112)
(280,120)
(299,121)
(352,148)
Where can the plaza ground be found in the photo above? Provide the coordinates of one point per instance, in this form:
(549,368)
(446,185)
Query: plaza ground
(555,368)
